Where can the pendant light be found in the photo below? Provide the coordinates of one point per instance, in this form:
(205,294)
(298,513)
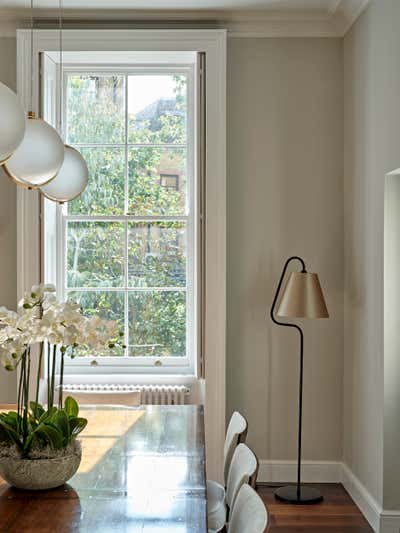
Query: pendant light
(12,123)
(39,157)
(72,178)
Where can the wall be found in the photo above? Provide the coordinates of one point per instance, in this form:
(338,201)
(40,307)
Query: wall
(8,206)
(285,197)
(372,133)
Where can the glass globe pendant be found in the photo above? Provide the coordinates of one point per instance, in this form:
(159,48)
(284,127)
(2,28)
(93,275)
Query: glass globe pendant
(39,157)
(12,123)
(71,180)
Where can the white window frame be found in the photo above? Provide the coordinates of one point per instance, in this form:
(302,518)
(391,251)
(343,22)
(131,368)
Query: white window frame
(213,44)
(157,365)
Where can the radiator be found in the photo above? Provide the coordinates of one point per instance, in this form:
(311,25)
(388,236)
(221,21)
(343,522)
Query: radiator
(149,394)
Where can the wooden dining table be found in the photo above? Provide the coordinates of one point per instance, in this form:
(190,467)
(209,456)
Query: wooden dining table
(142,470)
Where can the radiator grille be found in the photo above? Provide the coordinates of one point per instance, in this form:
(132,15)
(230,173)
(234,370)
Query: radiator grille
(149,394)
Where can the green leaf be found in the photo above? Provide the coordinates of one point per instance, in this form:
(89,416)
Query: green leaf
(71,406)
(5,436)
(28,443)
(77,425)
(12,419)
(48,414)
(50,434)
(37,409)
(12,434)
(61,421)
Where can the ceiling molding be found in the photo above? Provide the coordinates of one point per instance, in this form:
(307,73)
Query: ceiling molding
(334,21)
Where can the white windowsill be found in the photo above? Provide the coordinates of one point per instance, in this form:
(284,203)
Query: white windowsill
(131,379)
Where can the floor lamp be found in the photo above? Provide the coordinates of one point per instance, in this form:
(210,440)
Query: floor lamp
(302,298)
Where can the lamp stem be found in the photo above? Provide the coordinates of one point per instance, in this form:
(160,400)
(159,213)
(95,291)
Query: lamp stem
(295,326)
(300,414)
(296,494)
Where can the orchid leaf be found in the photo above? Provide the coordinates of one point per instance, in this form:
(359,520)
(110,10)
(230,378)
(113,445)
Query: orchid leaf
(77,425)
(37,409)
(50,434)
(13,435)
(71,406)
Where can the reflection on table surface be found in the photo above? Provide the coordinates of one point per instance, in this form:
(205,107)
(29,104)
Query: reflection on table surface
(142,470)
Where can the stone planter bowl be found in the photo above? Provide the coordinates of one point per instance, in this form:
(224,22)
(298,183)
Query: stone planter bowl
(39,474)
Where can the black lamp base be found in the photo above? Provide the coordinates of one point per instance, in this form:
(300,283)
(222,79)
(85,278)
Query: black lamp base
(307,495)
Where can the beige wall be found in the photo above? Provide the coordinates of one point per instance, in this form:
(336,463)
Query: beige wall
(8,249)
(285,197)
(372,133)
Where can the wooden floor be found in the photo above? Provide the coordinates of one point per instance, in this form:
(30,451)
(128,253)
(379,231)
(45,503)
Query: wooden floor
(336,514)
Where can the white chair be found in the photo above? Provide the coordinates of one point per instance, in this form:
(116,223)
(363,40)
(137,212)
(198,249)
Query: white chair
(249,514)
(236,433)
(243,469)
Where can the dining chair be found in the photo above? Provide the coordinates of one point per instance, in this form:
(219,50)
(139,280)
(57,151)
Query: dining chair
(243,469)
(249,513)
(236,433)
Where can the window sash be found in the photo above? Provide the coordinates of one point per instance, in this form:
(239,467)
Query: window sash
(182,364)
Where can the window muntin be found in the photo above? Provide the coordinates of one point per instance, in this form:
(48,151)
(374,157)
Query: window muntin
(138,235)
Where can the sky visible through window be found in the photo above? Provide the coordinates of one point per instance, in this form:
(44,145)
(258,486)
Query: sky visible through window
(126,237)
(145,91)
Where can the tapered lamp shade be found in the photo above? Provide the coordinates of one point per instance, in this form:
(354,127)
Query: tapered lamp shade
(38,158)
(303,297)
(12,123)
(71,180)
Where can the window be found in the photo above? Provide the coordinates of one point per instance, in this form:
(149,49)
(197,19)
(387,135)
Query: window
(170,181)
(129,241)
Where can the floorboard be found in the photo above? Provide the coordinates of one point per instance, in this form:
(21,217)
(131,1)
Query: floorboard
(336,514)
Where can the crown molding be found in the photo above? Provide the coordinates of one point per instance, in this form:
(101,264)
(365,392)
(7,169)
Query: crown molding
(335,21)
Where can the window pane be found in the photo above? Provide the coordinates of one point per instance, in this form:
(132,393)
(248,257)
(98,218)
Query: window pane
(105,192)
(95,254)
(157,254)
(157,109)
(95,109)
(107,305)
(149,192)
(157,323)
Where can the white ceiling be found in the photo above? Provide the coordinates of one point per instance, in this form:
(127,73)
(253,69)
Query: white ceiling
(268,5)
(242,18)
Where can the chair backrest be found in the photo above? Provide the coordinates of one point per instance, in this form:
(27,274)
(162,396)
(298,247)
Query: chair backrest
(236,432)
(243,469)
(249,513)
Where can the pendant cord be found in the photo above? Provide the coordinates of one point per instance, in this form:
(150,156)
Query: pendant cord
(60,27)
(31,95)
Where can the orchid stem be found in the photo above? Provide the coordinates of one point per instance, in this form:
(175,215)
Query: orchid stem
(39,372)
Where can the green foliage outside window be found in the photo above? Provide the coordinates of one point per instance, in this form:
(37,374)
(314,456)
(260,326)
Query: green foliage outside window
(156,250)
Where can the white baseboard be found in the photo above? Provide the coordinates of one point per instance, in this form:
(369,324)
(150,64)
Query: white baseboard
(390,522)
(367,504)
(311,471)
(381,521)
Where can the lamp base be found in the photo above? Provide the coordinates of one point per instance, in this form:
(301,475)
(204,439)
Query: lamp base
(307,495)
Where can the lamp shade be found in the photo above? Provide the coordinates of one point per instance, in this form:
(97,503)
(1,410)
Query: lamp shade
(303,297)
(12,123)
(71,180)
(39,157)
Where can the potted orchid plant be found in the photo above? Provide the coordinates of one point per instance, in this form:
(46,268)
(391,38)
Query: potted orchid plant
(38,442)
